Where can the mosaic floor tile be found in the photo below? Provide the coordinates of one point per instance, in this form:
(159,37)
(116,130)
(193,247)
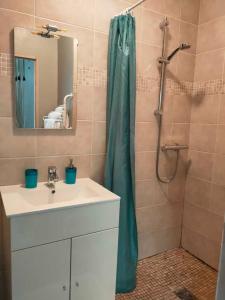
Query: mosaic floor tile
(163,276)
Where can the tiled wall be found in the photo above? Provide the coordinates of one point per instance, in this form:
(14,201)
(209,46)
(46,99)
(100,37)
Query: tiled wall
(159,207)
(205,191)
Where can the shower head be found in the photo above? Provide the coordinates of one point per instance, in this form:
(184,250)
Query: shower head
(182,46)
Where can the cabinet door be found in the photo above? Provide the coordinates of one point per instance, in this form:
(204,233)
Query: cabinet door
(42,273)
(94,261)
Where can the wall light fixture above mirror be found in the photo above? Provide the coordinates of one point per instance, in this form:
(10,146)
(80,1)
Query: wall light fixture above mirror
(45,78)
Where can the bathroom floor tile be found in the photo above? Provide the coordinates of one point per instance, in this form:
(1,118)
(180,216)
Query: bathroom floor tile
(173,275)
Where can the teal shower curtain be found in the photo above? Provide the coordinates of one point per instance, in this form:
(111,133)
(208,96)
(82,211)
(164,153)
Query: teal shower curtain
(120,158)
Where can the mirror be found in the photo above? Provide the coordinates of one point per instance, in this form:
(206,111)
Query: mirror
(45,77)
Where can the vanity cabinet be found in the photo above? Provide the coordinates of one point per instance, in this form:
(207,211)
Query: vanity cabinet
(92,261)
(68,253)
(83,267)
(42,272)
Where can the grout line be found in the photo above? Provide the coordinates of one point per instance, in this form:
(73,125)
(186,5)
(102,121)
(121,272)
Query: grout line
(203,236)
(204,209)
(210,51)
(199,10)
(16,11)
(212,20)
(206,152)
(169,16)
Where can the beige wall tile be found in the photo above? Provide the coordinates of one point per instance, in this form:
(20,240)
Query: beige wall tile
(151,33)
(198,192)
(210,35)
(222,111)
(99,104)
(6,99)
(26,6)
(189,35)
(201,247)
(176,189)
(205,109)
(145,165)
(150,193)
(158,241)
(97,168)
(167,7)
(217,201)
(147,64)
(190,10)
(219,170)
(74,12)
(15,142)
(209,65)
(12,170)
(180,133)
(185,65)
(146,104)
(99,138)
(201,165)
(85,102)
(9,20)
(109,9)
(146,134)
(220,140)
(160,217)
(100,50)
(211,9)
(181,108)
(71,143)
(203,137)
(203,222)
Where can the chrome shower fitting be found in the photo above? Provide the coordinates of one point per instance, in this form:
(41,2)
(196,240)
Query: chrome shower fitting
(164,61)
(164,23)
(182,46)
(167,60)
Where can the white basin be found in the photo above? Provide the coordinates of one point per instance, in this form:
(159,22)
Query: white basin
(19,200)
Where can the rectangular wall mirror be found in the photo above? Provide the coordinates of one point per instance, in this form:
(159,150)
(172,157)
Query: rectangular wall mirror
(45,77)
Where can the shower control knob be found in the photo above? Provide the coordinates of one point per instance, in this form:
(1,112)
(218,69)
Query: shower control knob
(77,284)
(64,288)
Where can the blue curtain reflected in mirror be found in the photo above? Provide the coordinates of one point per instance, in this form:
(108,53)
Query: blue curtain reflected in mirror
(25,92)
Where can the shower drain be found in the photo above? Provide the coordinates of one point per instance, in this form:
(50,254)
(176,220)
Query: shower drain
(184,294)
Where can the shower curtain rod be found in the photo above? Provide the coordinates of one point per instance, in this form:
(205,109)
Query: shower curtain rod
(127,10)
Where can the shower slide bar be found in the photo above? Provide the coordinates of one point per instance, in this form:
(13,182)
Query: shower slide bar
(164,60)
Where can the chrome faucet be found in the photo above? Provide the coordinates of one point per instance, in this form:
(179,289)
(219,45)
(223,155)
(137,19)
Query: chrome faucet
(52,178)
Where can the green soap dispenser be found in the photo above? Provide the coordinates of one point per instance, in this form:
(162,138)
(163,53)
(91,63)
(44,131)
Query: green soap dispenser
(70,173)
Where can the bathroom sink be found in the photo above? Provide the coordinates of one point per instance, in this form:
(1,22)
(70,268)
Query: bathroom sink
(19,200)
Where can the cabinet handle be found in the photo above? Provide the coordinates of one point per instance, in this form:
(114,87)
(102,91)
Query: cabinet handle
(64,288)
(77,284)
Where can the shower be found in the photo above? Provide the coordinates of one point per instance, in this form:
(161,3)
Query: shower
(164,61)
(182,46)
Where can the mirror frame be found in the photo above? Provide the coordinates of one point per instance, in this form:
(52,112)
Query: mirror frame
(75,84)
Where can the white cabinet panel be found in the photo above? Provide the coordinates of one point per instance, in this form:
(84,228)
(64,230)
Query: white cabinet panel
(42,273)
(94,259)
(56,225)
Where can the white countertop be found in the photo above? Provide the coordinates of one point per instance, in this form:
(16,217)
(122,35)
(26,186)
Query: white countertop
(18,200)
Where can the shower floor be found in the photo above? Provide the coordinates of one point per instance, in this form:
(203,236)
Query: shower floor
(162,276)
